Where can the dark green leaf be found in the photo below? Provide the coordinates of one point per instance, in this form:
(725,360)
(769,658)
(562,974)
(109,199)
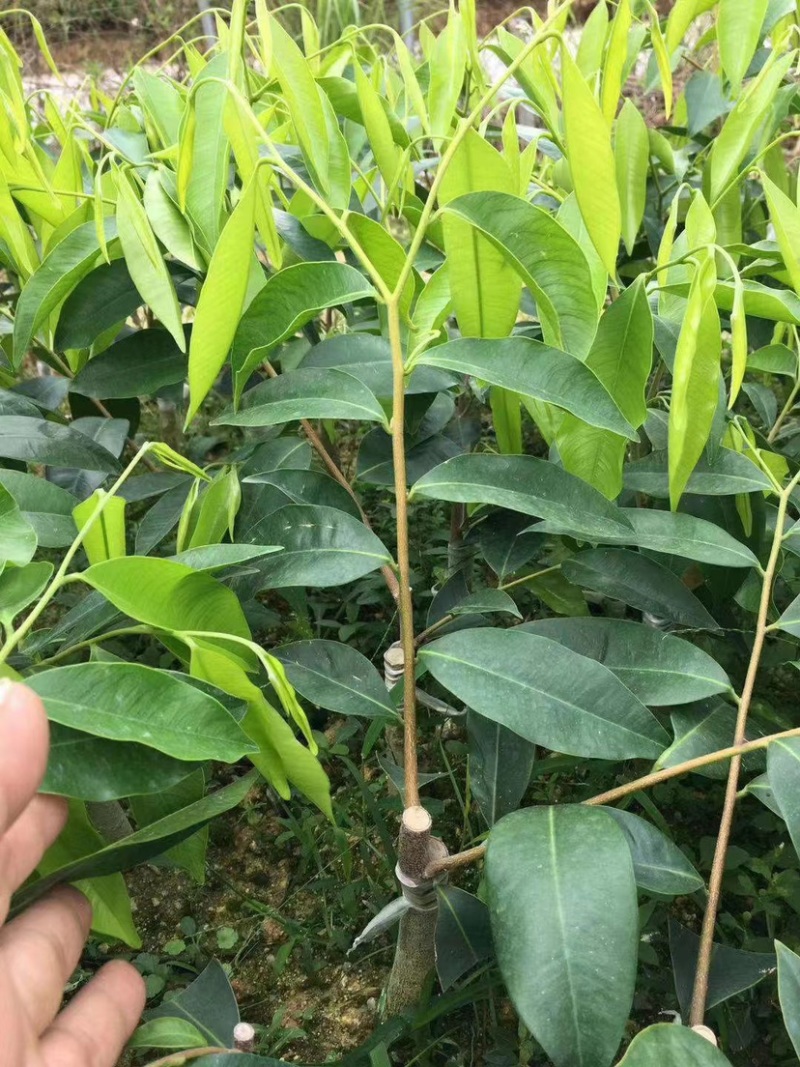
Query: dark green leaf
(463,934)
(369,359)
(138,365)
(305,394)
(37,441)
(17,536)
(104,298)
(783,768)
(732,970)
(658,864)
(308,487)
(789,991)
(728,473)
(335,677)
(668,1045)
(703,728)
(500,766)
(208,1003)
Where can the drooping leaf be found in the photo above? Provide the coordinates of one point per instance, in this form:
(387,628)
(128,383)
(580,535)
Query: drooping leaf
(336,677)
(660,669)
(447,62)
(521,483)
(305,394)
(463,934)
(544,692)
(571,973)
(659,866)
(500,766)
(785,218)
(632,159)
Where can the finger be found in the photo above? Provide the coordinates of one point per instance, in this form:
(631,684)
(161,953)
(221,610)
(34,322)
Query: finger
(24,740)
(93,1028)
(40,950)
(25,843)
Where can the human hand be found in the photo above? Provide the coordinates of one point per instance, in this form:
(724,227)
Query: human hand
(40,949)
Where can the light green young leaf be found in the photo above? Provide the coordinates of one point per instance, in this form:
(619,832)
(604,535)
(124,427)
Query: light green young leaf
(204,155)
(17,537)
(738,339)
(19,587)
(591,46)
(662,57)
(785,217)
(386,255)
(616,55)
(169,225)
(145,262)
(106,537)
(447,64)
(591,162)
(738,31)
(388,155)
(682,15)
(222,300)
(632,157)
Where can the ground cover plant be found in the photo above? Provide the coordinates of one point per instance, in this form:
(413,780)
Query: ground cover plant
(481,359)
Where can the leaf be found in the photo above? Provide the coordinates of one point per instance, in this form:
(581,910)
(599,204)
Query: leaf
(640,582)
(321,546)
(773,359)
(486,601)
(484,286)
(659,866)
(660,669)
(38,441)
(703,728)
(168,595)
(105,539)
(726,474)
(101,300)
(738,32)
(783,769)
(789,991)
(86,767)
(668,1045)
(305,394)
(506,542)
(222,300)
(500,766)
(616,55)
(17,536)
(674,533)
(62,268)
(160,520)
(369,358)
(289,300)
(790,619)
(446,64)
(463,934)
(169,225)
(336,677)
(19,587)
(591,162)
(785,218)
(222,557)
(144,260)
(190,854)
(544,692)
(204,155)
(143,844)
(732,970)
(131,702)
(621,357)
(532,369)
(571,973)
(138,365)
(307,487)
(386,255)
(695,380)
(209,1004)
(560,280)
(169,1033)
(522,483)
(736,136)
(632,160)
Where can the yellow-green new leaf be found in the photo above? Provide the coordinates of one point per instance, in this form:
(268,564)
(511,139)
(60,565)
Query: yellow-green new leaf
(785,218)
(662,58)
(388,155)
(222,300)
(105,539)
(616,55)
(632,156)
(591,161)
(695,380)
(593,40)
(682,15)
(447,65)
(738,339)
(738,30)
(145,263)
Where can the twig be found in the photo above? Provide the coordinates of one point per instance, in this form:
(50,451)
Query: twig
(700,993)
(787,407)
(335,471)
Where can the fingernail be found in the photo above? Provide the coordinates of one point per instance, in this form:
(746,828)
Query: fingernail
(7,687)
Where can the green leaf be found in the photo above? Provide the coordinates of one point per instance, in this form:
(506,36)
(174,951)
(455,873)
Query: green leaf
(640,582)
(168,595)
(205,148)
(522,483)
(38,441)
(369,359)
(732,970)
(673,533)
(500,766)
(321,546)
(632,160)
(86,767)
(695,380)
(785,218)
(485,601)
(145,262)
(138,365)
(61,269)
(335,677)
(190,854)
(211,513)
(703,728)
(484,286)
(308,487)
(773,359)
(105,539)
(660,669)
(222,300)
(736,137)
(726,474)
(738,32)
(571,973)
(668,1045)
(560,280)
(659,866)
(790,619)
(209,1003)
(386,255)
(142,845)
(101,300)
(616,55)
(621,357)
(447,63)
(289,300)
(170,226)
(463,934)
(17,536)
(131,702)
(534,370)
(783,768)
(19,587)
(305,394)
(168,1033)
(789,992)
(591,162)
(544,692)
(222,557)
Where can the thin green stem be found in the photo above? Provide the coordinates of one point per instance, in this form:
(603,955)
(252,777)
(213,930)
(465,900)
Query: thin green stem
(529,577)
(785,412)
(123,631)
